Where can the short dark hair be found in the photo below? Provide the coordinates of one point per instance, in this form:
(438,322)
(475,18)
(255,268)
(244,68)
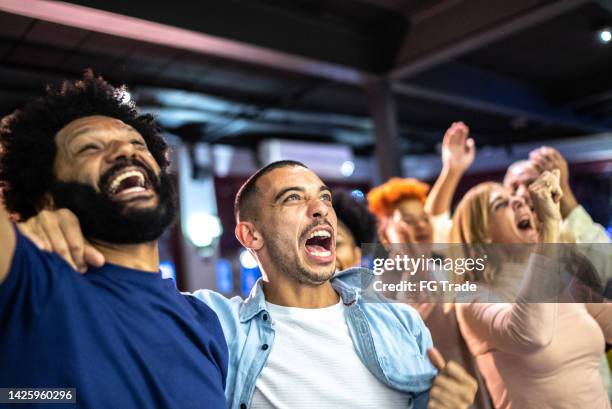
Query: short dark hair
(355,216)
(245,204)
(27,136)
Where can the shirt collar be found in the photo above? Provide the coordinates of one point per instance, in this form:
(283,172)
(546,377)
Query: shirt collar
(348,283)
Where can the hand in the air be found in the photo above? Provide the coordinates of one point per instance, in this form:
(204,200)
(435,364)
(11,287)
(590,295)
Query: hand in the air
(458,150)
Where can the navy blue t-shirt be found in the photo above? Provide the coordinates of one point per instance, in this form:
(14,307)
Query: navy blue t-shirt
(123,338)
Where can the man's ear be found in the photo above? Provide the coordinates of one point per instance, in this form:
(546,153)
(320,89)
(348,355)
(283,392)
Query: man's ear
(249,236)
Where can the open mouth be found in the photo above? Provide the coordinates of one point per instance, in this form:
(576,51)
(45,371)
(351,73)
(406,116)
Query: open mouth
(129,183)
(524,223)
(319,245)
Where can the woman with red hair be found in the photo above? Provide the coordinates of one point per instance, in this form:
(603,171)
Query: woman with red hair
(409,214)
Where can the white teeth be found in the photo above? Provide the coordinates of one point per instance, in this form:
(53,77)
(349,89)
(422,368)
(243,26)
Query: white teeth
(117,181)
(133,190)
(319,233)
(325,253)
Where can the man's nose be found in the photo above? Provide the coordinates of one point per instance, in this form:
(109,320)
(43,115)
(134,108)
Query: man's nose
(318,208)
(120,150)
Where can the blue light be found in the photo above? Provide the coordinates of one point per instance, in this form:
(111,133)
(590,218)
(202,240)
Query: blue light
(225,277)
(358,195)
(168,270)
(248,278)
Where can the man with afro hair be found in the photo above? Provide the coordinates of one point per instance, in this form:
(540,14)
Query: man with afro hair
(122,336)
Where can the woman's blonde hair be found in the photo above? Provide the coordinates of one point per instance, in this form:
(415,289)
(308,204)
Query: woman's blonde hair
(471,228)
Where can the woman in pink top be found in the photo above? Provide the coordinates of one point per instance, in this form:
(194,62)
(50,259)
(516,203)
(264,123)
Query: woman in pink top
(532,355)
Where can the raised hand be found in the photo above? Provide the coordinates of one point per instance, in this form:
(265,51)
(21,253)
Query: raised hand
(59,231)
(458,150)
(546,158)
(453,388)
(546,195)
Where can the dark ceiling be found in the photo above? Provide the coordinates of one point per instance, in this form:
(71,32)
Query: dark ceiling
(514,71)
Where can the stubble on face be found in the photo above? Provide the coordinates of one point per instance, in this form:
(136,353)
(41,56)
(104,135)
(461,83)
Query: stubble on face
(281,230)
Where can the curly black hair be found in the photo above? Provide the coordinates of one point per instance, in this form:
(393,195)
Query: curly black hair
(27,136)
(355,216)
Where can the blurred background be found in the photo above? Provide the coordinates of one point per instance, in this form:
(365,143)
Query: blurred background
(357,90)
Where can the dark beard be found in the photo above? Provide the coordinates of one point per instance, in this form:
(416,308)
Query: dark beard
(103,219)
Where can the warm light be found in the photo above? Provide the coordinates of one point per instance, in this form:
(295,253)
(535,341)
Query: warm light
(202,229)
(247,260)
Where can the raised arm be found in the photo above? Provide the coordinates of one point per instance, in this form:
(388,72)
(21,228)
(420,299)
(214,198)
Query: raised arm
(458,152)
(7,243)
(528,324)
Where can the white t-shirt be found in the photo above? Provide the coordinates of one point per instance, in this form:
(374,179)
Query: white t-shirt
(313,364)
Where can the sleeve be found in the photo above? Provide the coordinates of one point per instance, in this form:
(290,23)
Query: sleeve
(210,321)
(517,328)
(602,313)
(32,278)
(583,228)
(442,224)
(590,236)
(226,311)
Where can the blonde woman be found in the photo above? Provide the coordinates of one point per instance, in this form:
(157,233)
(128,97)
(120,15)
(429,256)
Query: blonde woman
(532,355)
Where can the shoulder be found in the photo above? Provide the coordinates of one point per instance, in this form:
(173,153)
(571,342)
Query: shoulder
(225,308)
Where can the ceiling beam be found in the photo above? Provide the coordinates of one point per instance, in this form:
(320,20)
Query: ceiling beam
(468,87)
(100,21)
(470,25)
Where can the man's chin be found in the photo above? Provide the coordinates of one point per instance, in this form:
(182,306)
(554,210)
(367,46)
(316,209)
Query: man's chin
(319,275)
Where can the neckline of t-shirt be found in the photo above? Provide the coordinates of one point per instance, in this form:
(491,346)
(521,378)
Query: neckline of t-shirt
(121,272)
(280,310)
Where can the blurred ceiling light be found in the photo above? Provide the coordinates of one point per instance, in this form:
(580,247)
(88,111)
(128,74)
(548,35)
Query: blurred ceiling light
(347,168)
(604,35)
(247,260)
(203,228)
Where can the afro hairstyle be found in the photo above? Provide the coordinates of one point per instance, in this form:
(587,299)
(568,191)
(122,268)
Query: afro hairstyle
(355,216)
(27,136)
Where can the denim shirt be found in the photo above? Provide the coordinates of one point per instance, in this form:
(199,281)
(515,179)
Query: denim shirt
(390,338)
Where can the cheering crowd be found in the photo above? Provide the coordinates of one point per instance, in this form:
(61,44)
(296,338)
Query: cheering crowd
(83,305)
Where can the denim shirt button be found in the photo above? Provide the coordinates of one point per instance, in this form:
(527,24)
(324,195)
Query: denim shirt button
(264,347)
(243,406)
(264,317)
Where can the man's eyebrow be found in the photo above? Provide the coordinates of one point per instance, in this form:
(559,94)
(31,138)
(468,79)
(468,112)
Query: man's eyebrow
(80,132)
(287,189)
(89,129)
(325,187)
